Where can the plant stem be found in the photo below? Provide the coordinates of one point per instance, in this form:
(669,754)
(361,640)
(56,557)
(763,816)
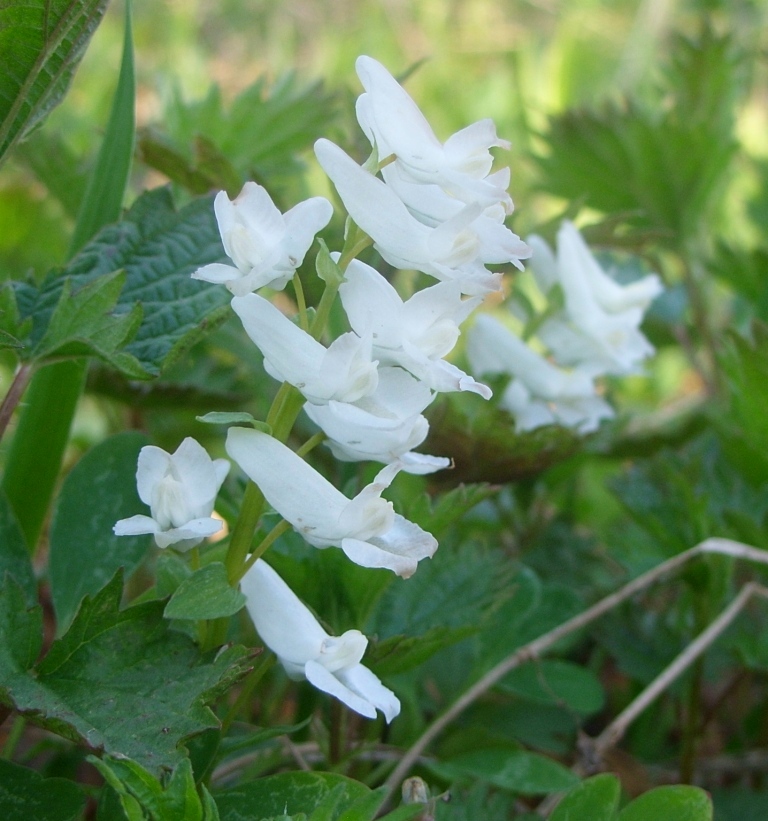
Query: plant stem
(243,531)
(537,647)
(301,301)
(274,534)
(15,392)
(16,732)
(254,677)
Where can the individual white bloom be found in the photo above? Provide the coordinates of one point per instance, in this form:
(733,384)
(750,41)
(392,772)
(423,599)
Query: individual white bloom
(449,251)
(599,329)
(180,489)
(292,633)
(414,334)
(382,427)
(266,246)
(344,371)
(366,528)
(540,393)
(394,124)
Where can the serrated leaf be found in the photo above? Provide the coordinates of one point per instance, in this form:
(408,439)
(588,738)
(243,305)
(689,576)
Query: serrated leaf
(84,552)
(595,799)
(515,770)
(86,323)
(26,795)
(41,43)
(21,627)
(286,794)
(680,802)
(122,682)
(157,248)
(206,594)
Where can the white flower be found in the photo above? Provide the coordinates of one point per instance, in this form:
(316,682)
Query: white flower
(180,489)
(540,393)
(305,650)
(394,124)
(599,330)
(366,528)
(414,334)
(383,427)
(344,371)
(449,251)
(266,246)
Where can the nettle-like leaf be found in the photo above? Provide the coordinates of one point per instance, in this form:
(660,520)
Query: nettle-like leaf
(201,145)
(84,309)
(41,43)
(119,680)
(670,157)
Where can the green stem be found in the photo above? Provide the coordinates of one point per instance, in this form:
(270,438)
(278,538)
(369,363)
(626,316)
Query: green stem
(311,444)
(254,677)
(243,531)
(16,732)
(274,534)
(301,301)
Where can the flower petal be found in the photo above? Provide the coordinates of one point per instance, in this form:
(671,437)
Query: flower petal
(362,681)
(135,526)
(326,681)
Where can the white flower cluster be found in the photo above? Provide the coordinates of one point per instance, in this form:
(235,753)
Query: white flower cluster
(595,333)
(432,207)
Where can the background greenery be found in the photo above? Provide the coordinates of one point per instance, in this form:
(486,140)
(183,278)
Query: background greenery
(644,120)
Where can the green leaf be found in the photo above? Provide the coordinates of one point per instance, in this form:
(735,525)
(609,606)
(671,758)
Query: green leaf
(286,794)
(515,770)
(556,682)
(120,681)
(85,323)
(84,552)
(400,653)
(206,594)
(175,800)
(157,248)
(234,418)
(102,202)
(26,795)
(41,43)
(21,628)
(326,268)
(679,802)
(596,799)
(14,558)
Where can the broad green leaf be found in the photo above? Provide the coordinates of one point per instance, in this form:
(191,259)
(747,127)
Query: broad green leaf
(85,323)
(14,558)
(551,681)
(515,770)
(680,802)
(103,198)
(206,594)
(157,248)
(285,794)
(365,807)
(122,682)
(596,799)
(84,552)
(41,43)
(26,795)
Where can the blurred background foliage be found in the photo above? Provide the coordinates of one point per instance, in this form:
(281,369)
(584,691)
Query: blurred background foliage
(644,119)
